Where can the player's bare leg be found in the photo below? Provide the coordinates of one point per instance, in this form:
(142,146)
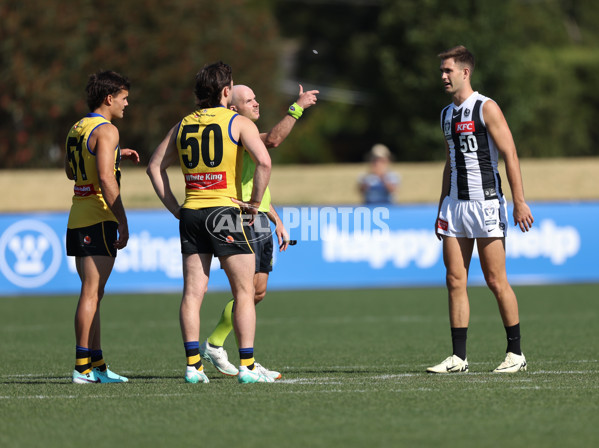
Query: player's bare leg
(196,270)
(260,284)
(240,271)
(93,272)
(212,349)
(96,330)
(457,253)
(492,261)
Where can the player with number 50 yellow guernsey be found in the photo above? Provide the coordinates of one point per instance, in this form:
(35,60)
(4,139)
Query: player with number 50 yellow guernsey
(207,144)
(211,160)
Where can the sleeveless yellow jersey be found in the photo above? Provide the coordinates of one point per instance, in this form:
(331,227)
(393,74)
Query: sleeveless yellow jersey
(247,183)
(210,158)
(89,206)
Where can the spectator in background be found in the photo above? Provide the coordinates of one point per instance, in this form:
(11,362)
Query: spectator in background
(379,184)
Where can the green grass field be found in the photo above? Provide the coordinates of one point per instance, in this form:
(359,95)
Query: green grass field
(353,374)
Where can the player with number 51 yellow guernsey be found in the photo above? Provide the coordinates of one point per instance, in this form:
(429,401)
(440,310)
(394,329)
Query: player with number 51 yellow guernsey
(97,226)
(89,206)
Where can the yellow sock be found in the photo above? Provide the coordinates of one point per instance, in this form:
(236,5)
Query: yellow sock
(83,365)
(194,361)
(224,326)
(246,357)
(247,362)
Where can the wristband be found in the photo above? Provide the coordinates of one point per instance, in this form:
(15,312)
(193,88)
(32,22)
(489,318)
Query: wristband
(295,110)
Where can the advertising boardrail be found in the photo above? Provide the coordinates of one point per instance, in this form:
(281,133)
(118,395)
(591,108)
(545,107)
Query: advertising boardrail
(338,247)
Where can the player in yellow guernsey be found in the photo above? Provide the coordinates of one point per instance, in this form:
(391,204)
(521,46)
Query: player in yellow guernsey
(210,159)
(97,225)
(89,206)
(244,102)
(207,144)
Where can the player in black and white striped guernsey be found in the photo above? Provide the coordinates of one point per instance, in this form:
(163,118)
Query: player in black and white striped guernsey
(472,207)
(473,153)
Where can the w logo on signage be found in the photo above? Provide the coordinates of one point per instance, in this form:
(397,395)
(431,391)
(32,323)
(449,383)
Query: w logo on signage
(30,253)
(29,250)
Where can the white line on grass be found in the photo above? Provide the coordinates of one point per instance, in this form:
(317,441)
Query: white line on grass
(329,369)
(349,320)
(307,381)
(85,397)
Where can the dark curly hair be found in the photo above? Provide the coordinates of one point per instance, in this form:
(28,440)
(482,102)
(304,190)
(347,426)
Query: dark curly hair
(102,84)
(210,82)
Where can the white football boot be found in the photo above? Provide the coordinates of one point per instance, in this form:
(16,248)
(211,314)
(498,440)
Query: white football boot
(264,371)
(513,363)
(252,376)
(195,376)
(453,364)
(217,356)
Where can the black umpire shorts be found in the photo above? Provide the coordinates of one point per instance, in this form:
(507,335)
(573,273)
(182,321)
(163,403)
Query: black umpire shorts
(261,240)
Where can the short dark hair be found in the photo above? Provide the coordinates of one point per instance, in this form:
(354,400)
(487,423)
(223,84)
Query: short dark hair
(460,54)
(210,82)
(102,84)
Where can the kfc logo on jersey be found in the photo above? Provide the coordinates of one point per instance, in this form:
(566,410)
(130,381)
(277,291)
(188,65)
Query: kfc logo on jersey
(464,127)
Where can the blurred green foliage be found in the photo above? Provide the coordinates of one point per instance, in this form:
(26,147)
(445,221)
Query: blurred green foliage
(376,68)
(539,59)
(49,47)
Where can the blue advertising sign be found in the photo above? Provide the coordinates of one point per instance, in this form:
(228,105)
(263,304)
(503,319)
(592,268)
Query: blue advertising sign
(338,247)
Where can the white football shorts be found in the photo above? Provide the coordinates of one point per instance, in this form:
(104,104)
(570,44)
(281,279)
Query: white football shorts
(473,219)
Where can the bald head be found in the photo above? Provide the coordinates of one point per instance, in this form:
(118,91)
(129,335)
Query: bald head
(239,93)
(244,102)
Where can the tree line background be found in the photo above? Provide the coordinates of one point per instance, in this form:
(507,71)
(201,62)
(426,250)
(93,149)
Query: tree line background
(375,65)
